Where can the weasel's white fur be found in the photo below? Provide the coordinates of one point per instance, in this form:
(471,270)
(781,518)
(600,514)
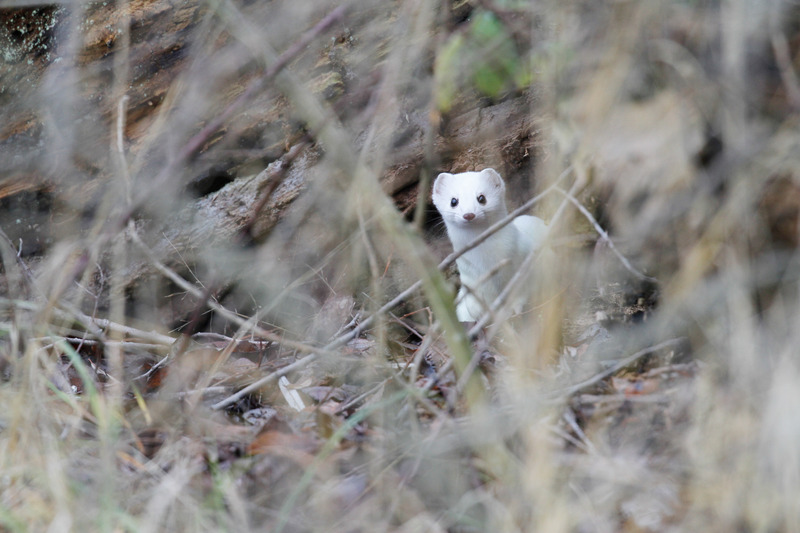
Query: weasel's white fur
(469,203)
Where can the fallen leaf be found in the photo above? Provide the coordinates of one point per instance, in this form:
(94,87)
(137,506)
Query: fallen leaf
(299,449)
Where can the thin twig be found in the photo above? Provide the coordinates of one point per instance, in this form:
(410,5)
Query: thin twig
(201,137)
(97,342)
(596,399)
(266,380)
(361,397)
(604,235)
(619,366)
(569,418)
(120,145)
(201,391)
(780,47)
(222,311)
(152,370)
(133,332)
(491,312)
(94,325)
(215,306)
(276,176)
(17,272)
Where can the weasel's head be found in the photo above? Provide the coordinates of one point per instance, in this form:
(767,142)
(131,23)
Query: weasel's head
(470,199)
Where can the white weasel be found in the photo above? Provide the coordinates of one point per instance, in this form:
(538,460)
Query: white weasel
(469,203)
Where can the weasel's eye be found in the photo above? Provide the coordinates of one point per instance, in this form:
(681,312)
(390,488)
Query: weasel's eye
(482,199)
(453,202)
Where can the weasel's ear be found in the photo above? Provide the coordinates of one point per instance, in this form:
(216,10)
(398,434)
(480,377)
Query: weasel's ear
(493,177)
(439,183)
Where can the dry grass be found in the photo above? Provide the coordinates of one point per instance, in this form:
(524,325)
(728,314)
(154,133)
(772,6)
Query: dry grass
(654,385)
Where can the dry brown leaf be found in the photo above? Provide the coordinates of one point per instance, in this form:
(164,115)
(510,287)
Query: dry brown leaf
(298,448)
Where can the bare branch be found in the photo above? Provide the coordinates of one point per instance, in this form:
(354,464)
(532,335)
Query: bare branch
(619,366)
(604,235)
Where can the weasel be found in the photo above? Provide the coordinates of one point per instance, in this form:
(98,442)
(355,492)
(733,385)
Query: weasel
(469,203)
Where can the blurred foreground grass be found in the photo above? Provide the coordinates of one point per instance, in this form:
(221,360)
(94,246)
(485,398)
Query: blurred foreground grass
(191,344)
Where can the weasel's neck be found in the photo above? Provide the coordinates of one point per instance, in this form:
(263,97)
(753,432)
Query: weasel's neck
(461,236)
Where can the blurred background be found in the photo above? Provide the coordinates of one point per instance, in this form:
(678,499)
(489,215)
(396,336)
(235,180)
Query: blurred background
(220,305)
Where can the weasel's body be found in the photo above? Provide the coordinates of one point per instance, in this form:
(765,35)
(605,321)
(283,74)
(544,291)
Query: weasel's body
(469,203)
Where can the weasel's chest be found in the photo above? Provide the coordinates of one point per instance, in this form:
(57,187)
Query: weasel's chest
(496,257)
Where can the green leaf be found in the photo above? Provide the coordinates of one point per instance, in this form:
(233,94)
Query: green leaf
(489,80)
(447,72)
(486,27)
(484,57)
